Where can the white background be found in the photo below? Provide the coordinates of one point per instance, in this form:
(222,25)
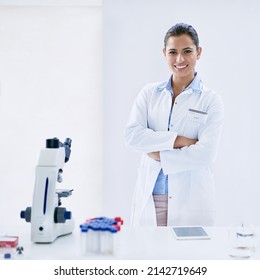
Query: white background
(229,34)
(50,76)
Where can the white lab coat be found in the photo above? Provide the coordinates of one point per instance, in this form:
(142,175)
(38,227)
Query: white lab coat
(196,114)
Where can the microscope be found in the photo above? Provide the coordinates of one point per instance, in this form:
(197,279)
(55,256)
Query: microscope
(48,219)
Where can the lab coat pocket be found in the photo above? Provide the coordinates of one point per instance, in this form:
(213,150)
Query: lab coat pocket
(194,121)
(197,116)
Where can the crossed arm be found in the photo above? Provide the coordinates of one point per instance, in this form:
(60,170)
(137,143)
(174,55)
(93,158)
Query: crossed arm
(176,153)
(179,142)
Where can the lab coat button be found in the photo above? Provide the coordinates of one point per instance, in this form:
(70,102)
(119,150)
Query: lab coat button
(170,197)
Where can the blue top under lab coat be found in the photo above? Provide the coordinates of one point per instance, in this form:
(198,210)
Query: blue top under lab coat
(161,184)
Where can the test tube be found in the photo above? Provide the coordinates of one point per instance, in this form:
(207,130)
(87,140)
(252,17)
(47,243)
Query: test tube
(98,235)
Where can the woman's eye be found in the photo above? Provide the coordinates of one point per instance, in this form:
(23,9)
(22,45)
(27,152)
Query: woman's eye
(187,51)
(172,52)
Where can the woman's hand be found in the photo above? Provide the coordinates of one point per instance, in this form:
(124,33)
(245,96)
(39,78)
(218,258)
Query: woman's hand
(154,155)
(182,141)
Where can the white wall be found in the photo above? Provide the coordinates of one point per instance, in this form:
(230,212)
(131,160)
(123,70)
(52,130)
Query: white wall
(133,42)
(50,76)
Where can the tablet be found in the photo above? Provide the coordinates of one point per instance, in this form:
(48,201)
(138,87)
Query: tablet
(185,233)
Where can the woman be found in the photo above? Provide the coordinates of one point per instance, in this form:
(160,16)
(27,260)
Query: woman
(176,124)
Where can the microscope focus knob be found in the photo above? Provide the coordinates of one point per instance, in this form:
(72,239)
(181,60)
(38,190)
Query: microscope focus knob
(61,215)
(68,215)
(26,214)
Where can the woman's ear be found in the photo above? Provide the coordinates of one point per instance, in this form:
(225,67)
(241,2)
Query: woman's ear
(164,52)
(199,51)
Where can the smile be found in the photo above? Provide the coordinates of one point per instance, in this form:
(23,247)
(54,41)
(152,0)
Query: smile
(180,66)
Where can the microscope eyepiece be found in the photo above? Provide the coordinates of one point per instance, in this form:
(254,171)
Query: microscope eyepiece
(67,145)
(53,143)
(67,142)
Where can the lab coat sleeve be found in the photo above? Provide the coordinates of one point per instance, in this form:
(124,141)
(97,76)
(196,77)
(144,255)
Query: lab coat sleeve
(138,135)
(204,152)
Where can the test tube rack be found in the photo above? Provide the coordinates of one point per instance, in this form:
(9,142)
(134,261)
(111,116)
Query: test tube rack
(97,235)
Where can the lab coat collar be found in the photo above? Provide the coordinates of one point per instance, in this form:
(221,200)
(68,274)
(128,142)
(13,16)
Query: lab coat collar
(194,86)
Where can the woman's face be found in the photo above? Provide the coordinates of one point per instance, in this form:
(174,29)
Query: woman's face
(181,55)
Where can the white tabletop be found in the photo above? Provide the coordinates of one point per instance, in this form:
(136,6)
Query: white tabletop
(151,243)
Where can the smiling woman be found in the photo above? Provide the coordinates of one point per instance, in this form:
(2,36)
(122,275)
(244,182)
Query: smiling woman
(182,50)
(176,124)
